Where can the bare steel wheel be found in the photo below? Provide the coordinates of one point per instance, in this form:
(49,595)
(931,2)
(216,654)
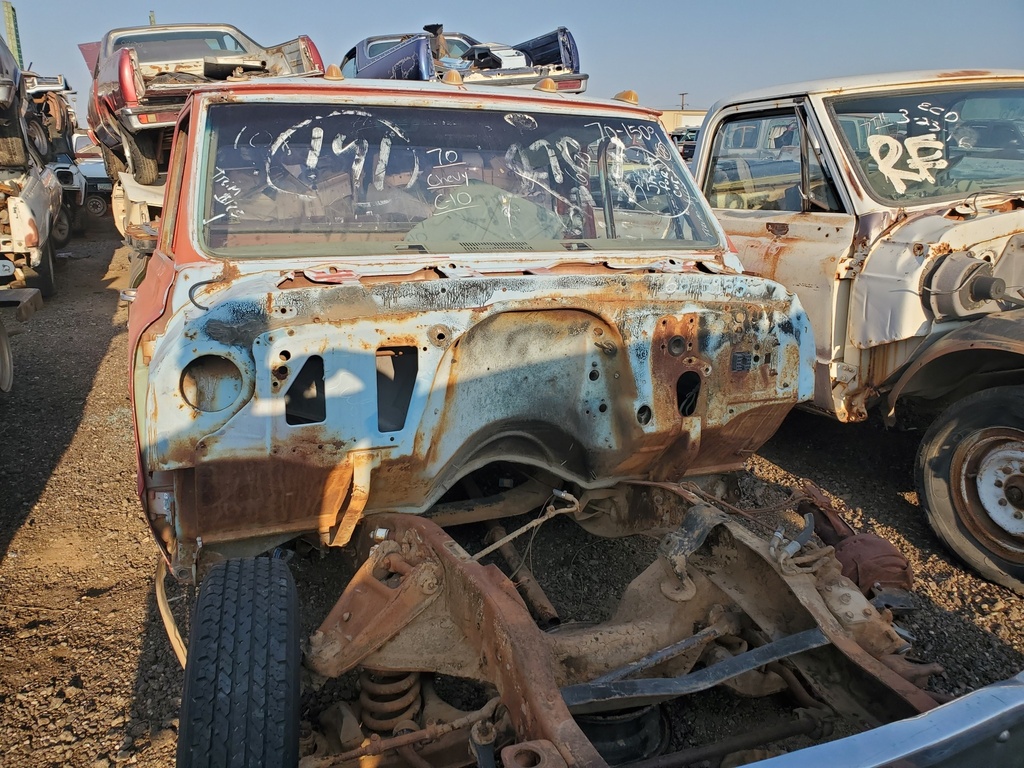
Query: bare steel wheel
(970,472)
(96,205)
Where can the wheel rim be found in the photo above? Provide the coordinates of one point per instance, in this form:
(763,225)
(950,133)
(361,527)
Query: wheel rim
(96,206)
(988,492)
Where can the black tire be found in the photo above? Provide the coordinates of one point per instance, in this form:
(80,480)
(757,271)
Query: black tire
(38,135)
(6,361)
(141,148)
(241,701)
(112,163)
(970,479)
(63,227)
(44,277)
(79,221)
(96,206)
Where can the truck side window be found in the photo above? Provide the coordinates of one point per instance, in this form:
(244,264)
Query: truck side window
(822,194)
(756,165)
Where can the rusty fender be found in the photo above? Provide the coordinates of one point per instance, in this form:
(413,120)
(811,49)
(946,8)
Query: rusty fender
(283,410)
(1001,332)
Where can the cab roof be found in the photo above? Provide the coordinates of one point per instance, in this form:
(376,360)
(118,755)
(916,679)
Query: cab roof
(835,86)
(435,92)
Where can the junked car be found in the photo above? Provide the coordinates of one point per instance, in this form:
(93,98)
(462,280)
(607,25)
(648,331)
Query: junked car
(50,120)
(429,54)
(142,75)
(893,205)
(380,310)
(74,185)
(98,187)
(29,201)
(30,194)
(686,140)
(51,123)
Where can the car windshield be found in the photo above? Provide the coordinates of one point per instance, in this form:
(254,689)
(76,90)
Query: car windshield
(153,47)
(320,179)
(939,143)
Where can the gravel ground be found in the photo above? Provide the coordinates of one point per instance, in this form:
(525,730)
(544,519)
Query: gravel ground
(87,677)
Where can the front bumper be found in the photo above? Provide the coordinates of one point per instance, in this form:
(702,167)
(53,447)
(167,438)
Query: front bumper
(984,729)
(137,119)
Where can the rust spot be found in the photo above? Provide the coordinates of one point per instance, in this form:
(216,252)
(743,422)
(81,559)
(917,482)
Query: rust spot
(1007,206)
(32,238)
(965,73)
(773,253)
(227,500)
(230,272)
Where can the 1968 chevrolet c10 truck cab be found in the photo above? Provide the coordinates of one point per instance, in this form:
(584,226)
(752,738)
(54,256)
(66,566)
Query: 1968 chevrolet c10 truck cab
(379,312)
(893,205)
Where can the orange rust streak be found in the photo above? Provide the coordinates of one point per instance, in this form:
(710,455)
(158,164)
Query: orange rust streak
(32,238)
(965,73)
(232,499)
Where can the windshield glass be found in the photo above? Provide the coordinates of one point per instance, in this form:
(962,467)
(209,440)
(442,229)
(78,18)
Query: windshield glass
(184,44)
(936,143)
(324,179)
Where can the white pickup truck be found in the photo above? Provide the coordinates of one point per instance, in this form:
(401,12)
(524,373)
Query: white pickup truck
(893,205)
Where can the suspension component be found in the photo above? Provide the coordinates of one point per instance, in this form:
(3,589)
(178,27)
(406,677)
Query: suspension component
(388,698)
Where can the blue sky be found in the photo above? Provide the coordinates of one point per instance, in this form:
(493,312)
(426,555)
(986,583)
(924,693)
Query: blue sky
(657,48)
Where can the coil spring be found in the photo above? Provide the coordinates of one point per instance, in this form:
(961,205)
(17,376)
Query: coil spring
(388,698)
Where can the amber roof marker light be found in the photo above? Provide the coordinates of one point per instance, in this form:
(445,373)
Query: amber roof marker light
(451,77)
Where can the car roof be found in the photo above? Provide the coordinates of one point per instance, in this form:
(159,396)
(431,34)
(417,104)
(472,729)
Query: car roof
(421,33)
(401,89)
(837,85)
(157,28)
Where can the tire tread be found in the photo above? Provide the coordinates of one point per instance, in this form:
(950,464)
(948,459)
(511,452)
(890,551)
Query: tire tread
(241,703)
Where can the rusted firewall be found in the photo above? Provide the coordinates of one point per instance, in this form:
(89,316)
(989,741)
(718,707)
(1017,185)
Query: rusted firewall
(588,382)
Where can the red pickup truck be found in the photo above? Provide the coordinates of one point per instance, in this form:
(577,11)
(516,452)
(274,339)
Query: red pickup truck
(142,76)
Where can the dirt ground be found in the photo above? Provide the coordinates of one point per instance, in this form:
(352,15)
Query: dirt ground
(87,677)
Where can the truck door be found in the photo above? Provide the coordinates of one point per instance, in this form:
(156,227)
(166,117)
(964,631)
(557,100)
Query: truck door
(777,201)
